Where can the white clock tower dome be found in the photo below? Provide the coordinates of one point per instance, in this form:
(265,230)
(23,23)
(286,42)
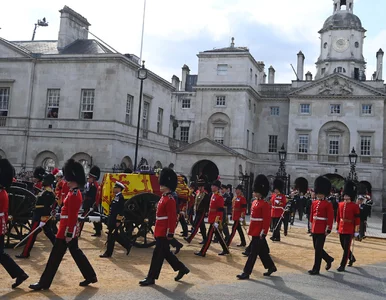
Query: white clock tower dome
(342,38)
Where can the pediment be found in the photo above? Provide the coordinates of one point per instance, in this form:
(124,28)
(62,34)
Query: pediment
(336,85)
(9,50)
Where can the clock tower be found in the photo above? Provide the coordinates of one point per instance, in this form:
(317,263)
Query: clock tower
(342,38)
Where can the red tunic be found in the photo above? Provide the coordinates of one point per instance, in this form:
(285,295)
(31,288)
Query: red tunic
(61,191)
(166,217)
(322,216)
(216,207)
(69,214)
(347,217)
(3,211)
(260,218)
(239,207)
(278,203)
(39,185)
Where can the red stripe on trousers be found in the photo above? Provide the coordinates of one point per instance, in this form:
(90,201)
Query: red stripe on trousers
(208,239)
(30,239)
(196,228)
(234,229)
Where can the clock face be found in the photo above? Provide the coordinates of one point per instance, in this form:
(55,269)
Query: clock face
(341,44)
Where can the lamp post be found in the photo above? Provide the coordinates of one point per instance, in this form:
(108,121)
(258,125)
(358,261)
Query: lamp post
(282,173)
(41,23)
(244,181)
(142,75)
(353,161)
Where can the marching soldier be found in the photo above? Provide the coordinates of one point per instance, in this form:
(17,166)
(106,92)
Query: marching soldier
(322,218)
(258,229)
(279,202)
(115,221)
(227,204)
(231,196)
(238,216)
(67,236)
(364,210)
(42,216)
(166,220)
(6,178)
(309,199)
(39,173)
(201,207)
(301,184)
(347,222)
(216,212)
(61,189)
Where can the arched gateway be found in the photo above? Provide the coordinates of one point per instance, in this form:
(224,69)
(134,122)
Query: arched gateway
(205,167)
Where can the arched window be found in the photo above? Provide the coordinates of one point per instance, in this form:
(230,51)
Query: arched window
(339,70)
(86,165)
(48,164)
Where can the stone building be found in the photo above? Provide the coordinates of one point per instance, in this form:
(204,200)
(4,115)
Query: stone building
(236,119)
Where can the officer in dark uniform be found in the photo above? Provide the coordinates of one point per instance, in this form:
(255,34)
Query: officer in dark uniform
(115,221)
(227,205)
(301,184)
(42,216)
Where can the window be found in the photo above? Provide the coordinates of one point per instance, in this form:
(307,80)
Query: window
(323,71)
(159,119)
(356,45)
(367,109)
(366,145)
(129,109)
(305,109)
(222,69)
(335,109)
(220,101)
(253,141)
(254,108)
(4,101)
(249,104)
(185,103)
(247,139)
(184,134)
(325,45)
(219,133)
(53,96)
(87,108)
(339,70)
(275,110)
(48,164)
(250,74)
(333,145)
(145,116)
(272,144)
(255,79)
(303,143)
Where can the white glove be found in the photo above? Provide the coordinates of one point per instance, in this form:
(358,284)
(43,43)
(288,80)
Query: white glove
(215,225)
(241,220)
(41,224)
(356,234)
(277,201)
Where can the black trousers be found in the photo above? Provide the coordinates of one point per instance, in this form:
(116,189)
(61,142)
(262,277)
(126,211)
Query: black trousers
(117,234)
(345,242)
(97,225)
(308,223)
(319,240)
(8,263)
(259,247)
(225,229)
(32,238)
(160,253)
(212,230)
(184,225)
(199,223)
(286,220)
(276,233)
(300,210)
(175,243)
(56,256)
(362,228)
(236,226)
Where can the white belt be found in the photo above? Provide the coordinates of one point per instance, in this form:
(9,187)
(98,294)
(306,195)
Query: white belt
(64,217)
(1,214)
(320,219)
(257,219)
(162,218)
(277,207)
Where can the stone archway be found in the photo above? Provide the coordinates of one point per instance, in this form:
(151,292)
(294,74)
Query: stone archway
(46,159)
(205,167)
(127,163)
(337,181)
(2,154)
(368,186)
(84,159)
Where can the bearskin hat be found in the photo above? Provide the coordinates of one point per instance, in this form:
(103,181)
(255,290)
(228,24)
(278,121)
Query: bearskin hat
(322,185)
(278,184)
(48,179)
(6,173)
(362,189)
(217,183)
(39,173)
(261,185)
(350,189)
(168,178)
(239,187)
(73,171)
(202,180)
(301,184)
(95,172)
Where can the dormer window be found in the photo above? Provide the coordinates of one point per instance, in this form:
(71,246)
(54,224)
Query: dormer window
(339,70)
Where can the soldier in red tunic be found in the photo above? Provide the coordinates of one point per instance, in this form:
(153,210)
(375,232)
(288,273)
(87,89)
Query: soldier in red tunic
(216,211)
(238,214)
(278,204)
(347,222)
(6,177)
(321,218)
(258,229)
(165,225)
(67,236)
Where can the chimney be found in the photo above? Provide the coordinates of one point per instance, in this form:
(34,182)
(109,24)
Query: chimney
(309,76)
(185,73)
(379,64)
(271,75)
(176,82)
(301,59)
(72,27)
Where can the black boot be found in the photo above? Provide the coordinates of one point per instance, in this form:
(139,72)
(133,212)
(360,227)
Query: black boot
(243,276)
(104,255)
(328,266)
(340,269)
(313,272)
(270,271)
(147,281)
(199,254)
(20,280)
(181,273)
(351,262)
(87,281)
(37,287)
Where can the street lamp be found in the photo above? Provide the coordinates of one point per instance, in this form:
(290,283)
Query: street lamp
(353,161)
(41,23)
(142,75)
(282,173)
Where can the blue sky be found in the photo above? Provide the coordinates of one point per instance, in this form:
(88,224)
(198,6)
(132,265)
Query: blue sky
(177,30)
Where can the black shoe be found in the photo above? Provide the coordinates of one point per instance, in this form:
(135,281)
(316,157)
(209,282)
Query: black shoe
(37,287)
(243,276)
(20,280)
(178,249)
(96,234)
(87,282)
(340,269)
(351,262)
(147,282)
(285,233)
(328,266)
(22,256)
(270,271)
(128,250)
(223,253)
(241,245)
(187,240)
(245,253)
(202,243)
(292,223)
(272,238)
(199,254)
(104,255)
(181,273)
(312,272)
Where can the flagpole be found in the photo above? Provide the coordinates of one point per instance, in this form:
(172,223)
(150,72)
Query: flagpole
(143,31)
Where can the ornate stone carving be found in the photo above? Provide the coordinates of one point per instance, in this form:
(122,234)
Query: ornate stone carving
(336,88)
